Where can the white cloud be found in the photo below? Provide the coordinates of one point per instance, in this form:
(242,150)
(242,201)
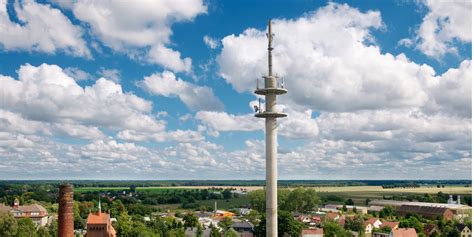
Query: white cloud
(193,96)
(328,62)
(43,29)
(298,125)
(445,23)
(46,93)
(77,74)
(110,74)
(140,29)
(210,42)
(222,121)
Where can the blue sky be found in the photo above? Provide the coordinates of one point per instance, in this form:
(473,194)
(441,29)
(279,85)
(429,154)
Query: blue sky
(377,89)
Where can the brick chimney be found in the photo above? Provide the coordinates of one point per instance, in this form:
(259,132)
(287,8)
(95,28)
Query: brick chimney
(65,212)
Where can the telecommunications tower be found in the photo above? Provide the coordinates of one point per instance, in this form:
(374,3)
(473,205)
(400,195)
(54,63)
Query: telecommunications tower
(273,86)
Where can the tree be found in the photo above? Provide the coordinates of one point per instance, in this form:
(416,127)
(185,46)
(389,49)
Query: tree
(8,225)
(301,200)
(349,202)
(344,207)
(214,231)
(257,200)
(124,225)
(190,220)
(225,223)
(288,224)
(253,217)
(333,229)
(387,212)
(26,228)
(355,224)
(231,233)
(199,231)
(227,194)
(412,222)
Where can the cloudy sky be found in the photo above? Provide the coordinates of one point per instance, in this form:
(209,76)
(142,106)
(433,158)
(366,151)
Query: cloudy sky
(164,89)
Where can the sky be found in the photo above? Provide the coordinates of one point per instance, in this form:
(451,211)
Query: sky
(164,89)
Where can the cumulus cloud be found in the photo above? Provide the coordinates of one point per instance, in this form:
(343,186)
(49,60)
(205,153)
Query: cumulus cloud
(46,93)
(140,29)
(210,42)
(193,96)
(299,125)
(446,23)
(328,62)
(42,29)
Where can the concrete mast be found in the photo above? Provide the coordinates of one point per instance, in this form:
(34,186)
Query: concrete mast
(270,91)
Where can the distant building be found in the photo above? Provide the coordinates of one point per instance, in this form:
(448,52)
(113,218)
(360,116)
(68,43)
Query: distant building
(403,232)
(370,224)
(99,225)
(220,213)
(430,229)
(464,230)
(244,228)
(426,211)
(318,232)
(391,224)
(35,212)
(459,210)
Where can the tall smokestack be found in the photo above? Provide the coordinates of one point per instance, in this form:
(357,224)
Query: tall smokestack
(65,212)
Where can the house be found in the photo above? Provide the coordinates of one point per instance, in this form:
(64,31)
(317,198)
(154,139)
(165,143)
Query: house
(430,230)
(37,213)
(332,216)
(304,219)
(393,225)
(403,232)
(426,211)
(317,232)
(242,227)
(99,225)
(371,224)
(375,222)
(464,230)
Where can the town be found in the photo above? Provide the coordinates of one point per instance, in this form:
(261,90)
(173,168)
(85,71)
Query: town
(302,212)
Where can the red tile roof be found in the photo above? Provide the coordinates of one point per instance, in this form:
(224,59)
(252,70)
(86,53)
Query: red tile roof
(390,224)
(317,231)
(405,232)
(98,218)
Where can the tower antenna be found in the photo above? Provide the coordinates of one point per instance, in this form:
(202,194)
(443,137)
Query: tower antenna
(270,91)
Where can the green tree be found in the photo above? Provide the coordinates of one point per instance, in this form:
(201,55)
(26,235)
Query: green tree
(227,194)
(355,224)
(190,220)
(288,224)
(214,231)
(301,200)
(225,223)
(412,222)
(257,200)
(231,233)
(26,228)
(79,222)
(387,212)
(349,202)
(8,225)
(199,230)
(333,229)
(124,225)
